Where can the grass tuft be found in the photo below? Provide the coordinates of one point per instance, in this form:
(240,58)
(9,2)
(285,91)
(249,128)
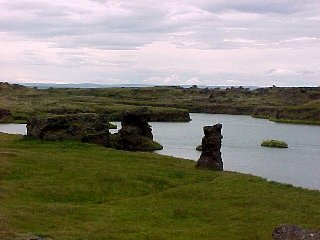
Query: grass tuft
(274,144)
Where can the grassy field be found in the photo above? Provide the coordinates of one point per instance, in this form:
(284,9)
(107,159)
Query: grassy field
(79,191)
(24,102)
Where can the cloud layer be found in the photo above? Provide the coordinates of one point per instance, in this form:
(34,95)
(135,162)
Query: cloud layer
(222,42)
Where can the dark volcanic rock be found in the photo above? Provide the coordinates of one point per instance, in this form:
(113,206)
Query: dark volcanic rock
(136,133)
(4,114)
(211,144)
(170,115)
(266,112)
(87,127)
(166,114)
(292,232)
(139,119)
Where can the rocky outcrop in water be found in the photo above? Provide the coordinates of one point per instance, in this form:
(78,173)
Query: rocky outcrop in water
(87,127)
(136,133)
(211,144)
(292,232)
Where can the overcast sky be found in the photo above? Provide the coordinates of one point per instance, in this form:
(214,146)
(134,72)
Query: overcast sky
(209,42)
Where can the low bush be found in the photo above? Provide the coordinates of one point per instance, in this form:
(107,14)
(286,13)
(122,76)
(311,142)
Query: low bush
(274,143)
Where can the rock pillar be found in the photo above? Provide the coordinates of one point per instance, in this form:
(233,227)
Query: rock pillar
(135,133)
(211,144)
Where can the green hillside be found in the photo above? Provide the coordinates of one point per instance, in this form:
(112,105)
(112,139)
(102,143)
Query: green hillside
(72,190)
(173,104)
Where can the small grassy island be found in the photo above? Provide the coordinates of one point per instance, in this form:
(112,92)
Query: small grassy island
(274,143)
(71,190)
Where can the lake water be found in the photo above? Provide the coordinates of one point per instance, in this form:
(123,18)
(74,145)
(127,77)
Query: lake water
(298,165)
(14,128)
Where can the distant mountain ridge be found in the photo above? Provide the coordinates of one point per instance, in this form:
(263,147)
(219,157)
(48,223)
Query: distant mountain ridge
(80,85)
(129,85)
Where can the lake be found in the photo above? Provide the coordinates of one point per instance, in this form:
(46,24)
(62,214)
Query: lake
(13,128)
(298,165)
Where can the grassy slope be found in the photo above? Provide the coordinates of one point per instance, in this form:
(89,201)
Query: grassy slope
(81,191)
(24,102)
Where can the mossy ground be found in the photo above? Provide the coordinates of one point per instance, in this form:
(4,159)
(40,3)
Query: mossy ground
(69,190)
(292,105)
(147,145)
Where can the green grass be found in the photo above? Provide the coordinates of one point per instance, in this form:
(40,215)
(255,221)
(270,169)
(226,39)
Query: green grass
(274,143)
(73,190)
(291,121)
(156,146)
(292,105)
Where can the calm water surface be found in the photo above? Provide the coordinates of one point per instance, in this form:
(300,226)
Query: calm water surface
(241,151)
(14,128)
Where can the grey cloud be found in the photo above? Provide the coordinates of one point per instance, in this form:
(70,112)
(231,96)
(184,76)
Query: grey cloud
(132,30)
(133,25)
(142,23)
(308,72)
(259,6)
(99,1)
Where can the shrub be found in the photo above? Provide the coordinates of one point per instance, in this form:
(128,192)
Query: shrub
(274,143)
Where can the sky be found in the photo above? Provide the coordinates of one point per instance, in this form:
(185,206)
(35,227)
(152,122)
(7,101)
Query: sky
(203,42)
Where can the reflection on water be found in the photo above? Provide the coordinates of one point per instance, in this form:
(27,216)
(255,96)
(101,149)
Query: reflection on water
(241,151)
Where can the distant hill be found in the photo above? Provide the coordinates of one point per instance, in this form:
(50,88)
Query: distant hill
(96,85)
(81,85)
